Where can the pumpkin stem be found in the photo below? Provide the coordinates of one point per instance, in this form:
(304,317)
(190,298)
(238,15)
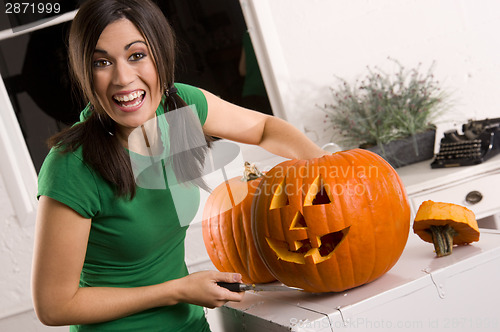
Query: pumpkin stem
(251,172)
(442,236)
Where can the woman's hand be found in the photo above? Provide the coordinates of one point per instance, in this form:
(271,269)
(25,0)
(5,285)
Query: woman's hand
(201,288)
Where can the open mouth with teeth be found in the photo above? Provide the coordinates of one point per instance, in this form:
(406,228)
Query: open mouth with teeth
(129,100)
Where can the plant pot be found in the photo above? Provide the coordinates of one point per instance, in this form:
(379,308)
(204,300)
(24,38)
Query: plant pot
(409,150)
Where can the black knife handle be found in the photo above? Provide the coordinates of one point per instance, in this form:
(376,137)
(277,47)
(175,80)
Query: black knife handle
(232,286)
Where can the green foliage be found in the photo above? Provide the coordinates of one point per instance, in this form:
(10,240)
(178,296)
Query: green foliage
(384,107)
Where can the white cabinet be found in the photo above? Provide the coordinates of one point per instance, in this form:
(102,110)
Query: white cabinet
(478,194)
(475,187)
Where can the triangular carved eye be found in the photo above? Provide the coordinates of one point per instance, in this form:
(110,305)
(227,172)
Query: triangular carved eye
(298,222)
(318,193)
(321,197)
(280,197)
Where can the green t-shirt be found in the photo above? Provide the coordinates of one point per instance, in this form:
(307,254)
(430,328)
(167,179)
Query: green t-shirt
(134,242)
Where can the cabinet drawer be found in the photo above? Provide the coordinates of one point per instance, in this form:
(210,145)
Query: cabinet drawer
(481,195)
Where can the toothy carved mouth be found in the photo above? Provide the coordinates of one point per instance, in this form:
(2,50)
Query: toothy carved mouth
(305,252)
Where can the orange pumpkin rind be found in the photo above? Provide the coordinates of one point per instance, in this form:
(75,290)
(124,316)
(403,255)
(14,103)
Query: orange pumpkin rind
(227,230)
(445,225)
(332,223)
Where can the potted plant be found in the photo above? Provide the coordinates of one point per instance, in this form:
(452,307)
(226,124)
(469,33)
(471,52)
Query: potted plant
(390,114)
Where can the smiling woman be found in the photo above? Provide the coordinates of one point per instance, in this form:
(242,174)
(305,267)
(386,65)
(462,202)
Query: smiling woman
(125,77)
(109,250)
(113,60)
(97,232)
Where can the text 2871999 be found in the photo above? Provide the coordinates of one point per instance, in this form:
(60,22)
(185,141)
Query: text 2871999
(32,8)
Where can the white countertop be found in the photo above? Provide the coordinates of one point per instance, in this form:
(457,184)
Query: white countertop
(420,284)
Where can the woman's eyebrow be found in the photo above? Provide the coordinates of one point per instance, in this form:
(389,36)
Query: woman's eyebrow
(100,51)
(125,48)
(134,42)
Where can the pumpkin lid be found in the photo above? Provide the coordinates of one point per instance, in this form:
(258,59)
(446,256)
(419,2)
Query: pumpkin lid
(460,218)
(435,218)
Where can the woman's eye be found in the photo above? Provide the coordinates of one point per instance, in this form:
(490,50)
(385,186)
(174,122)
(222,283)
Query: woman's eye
(101,63)
(137,56)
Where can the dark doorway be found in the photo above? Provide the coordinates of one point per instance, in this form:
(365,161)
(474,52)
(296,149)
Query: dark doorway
(210,41)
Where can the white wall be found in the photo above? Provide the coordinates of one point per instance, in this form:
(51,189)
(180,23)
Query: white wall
(305,44)
(16,246)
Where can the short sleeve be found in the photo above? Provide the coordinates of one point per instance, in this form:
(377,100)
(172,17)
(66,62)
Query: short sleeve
(67,179)
(194,96)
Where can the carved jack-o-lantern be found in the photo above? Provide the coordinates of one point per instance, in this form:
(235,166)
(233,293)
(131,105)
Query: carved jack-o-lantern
(331,223)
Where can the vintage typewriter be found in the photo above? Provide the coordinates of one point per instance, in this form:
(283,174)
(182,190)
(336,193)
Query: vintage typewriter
(480,141)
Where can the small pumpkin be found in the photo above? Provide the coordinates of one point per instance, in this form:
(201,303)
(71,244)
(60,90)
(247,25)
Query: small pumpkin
(227,232)
(445,225)
(331,223)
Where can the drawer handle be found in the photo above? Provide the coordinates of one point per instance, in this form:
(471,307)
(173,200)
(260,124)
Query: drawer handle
(474,197)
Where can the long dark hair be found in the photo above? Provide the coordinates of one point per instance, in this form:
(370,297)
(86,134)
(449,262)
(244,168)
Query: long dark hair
(101,150)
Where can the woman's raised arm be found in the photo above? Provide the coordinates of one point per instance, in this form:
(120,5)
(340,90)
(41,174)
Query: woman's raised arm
(226,120)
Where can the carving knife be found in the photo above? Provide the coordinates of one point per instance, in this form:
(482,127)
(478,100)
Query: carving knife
(239,287)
